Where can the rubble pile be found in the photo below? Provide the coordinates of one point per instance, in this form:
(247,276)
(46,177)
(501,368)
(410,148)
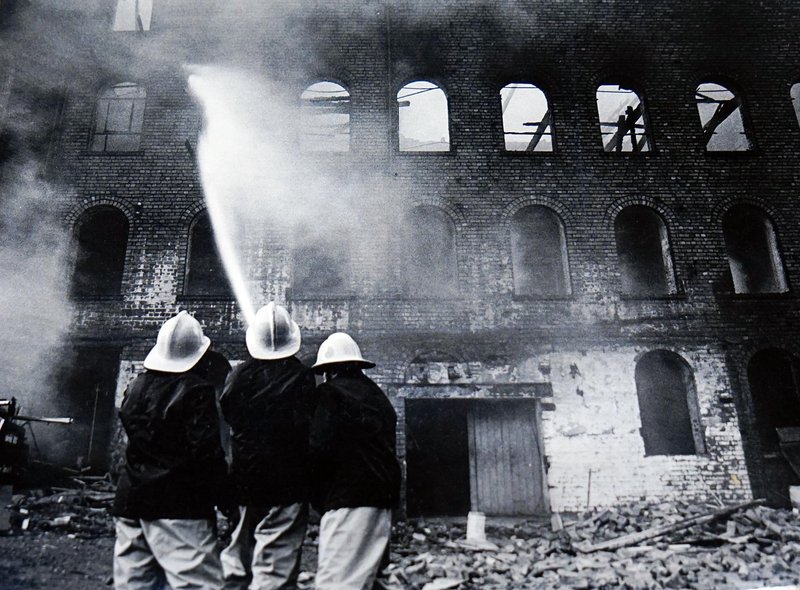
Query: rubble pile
(81,510)
(752,548)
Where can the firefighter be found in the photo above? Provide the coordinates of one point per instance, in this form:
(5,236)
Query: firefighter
(356,476)
(174,468)
(267,401)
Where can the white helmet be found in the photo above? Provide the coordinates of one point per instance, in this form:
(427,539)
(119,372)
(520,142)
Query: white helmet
(340,348)
(273,334)
(180,344)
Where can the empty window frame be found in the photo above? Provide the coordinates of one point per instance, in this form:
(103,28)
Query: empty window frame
(668,405)
(775,388)
(753,254)
(423,119)
(527,119)
(325,112)
(431,269)
(623,121)
(539,253)
(320,265)
(795,93)
(133,15)
(101,238)
(721,117)
(205,273)
(643,252)
(118,119)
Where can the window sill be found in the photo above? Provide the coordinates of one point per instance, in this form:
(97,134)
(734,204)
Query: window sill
(534,298)
(138,152)
(645,297)
(207,298)
(423,154)
(788,295)
(96,298)
(302,297)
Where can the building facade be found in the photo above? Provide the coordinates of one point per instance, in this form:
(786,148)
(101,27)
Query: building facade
(566,232)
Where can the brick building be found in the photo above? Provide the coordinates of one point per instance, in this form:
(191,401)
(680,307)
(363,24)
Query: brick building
(564,231)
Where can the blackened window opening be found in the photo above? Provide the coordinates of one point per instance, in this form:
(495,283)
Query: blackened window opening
(643,252)
(668,405)
(775,388)
(319,266)
(753,255)
(431,268)
(102,240)
(538,253)
(205,273)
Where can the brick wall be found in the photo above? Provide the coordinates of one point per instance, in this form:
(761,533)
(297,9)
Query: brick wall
(472,49)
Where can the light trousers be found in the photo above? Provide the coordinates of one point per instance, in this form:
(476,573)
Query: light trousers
(352,542)
(265,548)
(166,553)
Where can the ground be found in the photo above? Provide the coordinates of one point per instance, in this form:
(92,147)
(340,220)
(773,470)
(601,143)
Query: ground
(63,538)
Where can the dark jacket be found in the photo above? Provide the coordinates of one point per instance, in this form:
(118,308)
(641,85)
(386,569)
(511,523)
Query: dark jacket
(174,465)
(268,405)
(353,445)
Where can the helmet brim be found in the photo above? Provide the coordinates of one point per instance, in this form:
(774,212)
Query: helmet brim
(155,361)
(363,363)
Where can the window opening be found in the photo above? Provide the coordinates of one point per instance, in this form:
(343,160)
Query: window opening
(118,119)
(325,109)
(753,254)
(431,253)
(643,252)
(102,240)
(423,120)
(539,253)
(720,111)
(205,273)
(527,125)
(668,405)
(133,15)
(319,265)
(623,126)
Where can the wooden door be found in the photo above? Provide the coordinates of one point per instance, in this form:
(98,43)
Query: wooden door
(506,472)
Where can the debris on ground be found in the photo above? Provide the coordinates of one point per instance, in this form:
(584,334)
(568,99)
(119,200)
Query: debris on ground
(82,510)
(637,546)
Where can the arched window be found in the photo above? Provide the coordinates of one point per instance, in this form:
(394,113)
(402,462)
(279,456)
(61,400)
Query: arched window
(325,108)
(668,405)
(205,273)
(101,240)
(643,252)
(539,253)
(133,15)
(320,264)
(431,253)
(720,111)
(753,254)
(775,386)
(527,120)
(118,118)
(623,122)
(423,120)
(795,93)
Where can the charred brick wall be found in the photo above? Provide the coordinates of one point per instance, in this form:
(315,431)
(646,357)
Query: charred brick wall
(472,49)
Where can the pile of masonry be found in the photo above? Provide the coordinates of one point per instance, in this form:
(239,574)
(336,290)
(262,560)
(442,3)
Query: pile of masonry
(753,547)
(81,510)
(636,546)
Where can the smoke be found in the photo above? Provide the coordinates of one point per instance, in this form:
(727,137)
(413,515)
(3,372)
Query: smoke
(34,308)
(262,188)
